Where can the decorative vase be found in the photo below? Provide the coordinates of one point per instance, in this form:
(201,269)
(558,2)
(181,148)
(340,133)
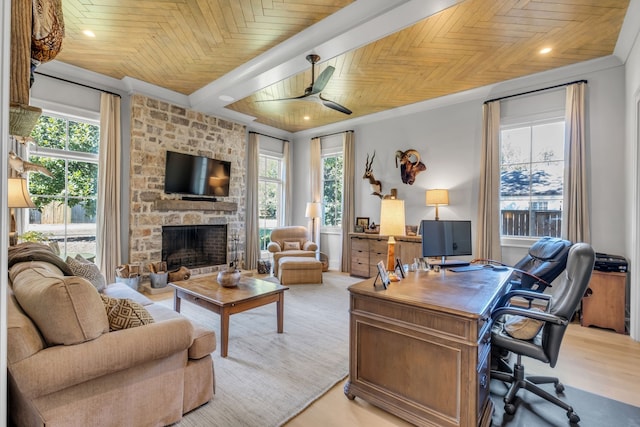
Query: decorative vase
(229,278)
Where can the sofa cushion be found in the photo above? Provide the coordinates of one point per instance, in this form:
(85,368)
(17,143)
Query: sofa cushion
(125,313)
(22,266)
(85,268)
(66,309)
(522,327)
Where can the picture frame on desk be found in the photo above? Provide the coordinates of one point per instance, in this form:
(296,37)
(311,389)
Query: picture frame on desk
(382,273)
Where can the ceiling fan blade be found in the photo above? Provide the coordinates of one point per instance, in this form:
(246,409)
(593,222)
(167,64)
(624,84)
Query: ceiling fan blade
(322,80)
(283,99)
(334,105)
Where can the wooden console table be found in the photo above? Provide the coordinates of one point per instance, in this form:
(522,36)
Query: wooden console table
(421,349)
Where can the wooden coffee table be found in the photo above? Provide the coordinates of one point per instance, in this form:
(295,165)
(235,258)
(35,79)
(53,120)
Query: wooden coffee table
(205,292)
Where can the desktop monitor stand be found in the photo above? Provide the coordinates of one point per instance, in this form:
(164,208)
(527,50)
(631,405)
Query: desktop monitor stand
(444,263)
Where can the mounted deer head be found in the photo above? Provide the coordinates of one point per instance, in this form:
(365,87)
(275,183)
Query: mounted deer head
(376,186)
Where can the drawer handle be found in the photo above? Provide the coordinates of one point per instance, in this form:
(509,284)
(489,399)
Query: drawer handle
(483,381)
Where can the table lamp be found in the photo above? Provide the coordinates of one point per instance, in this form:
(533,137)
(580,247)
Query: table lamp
(18,197)
(391,224)
(437,197)
(314,210)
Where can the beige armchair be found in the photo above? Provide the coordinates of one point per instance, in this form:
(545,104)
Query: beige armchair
(290,241)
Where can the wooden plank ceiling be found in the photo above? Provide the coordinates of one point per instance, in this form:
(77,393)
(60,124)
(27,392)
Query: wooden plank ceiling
(184,45)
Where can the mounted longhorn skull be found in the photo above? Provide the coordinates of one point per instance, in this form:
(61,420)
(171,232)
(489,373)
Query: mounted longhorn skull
(376,186)
(410,165)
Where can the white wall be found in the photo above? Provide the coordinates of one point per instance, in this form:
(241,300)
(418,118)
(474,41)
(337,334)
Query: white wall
(449,140)
(632,152)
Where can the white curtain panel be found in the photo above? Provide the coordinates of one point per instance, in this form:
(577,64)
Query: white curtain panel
(315,183)
(288,184)
(575,223)
(488,232)
(108,227)
(252,239)
(348,195)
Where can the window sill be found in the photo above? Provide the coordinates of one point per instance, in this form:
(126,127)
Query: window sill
(517,242)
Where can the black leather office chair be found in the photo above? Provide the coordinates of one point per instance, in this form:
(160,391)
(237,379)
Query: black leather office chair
(545,260)
(545,345)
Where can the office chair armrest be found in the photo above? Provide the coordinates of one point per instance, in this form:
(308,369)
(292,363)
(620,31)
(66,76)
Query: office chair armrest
(532,314)
(529,295)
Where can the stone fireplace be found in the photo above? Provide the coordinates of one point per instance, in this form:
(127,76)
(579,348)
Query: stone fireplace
(194,246)
(156,127)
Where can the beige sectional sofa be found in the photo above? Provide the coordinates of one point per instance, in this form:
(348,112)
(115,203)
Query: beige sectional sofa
(68,367)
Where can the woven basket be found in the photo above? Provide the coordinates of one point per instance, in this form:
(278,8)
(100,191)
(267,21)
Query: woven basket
(324,259)
(22,119)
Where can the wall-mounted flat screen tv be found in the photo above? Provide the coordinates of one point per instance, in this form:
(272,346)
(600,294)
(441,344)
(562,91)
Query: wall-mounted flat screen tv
(197,175)
(445,238)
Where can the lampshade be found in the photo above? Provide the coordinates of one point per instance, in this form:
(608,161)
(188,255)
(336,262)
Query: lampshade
(392,217)
(437,197)
(18,195)
(314,210)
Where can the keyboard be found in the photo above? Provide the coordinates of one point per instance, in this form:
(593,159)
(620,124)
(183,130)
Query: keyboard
(467,268)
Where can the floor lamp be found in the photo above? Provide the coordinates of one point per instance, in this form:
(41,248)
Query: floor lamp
(391,224)
(18,197)
(314,210)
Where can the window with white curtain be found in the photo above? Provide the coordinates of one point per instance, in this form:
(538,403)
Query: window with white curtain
(270,199)
(532,147)
(66,202)
(332,157)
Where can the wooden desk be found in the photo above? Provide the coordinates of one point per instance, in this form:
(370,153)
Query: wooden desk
(421,348)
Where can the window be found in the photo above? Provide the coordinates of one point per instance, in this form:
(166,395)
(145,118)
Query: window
(532,178)
(332,171)
(66,202)
(270,188)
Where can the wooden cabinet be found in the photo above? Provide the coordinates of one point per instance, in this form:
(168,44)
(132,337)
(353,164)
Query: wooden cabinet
(604,301)
(369,249)
(421,349)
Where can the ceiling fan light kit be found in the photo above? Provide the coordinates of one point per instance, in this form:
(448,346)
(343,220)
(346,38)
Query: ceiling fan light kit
(313,92)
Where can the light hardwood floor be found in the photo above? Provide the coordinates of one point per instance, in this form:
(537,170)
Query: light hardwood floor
(599,361)
(595,360)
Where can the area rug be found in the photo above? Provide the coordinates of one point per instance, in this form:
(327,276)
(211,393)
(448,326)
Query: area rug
(268,378)
(533,411)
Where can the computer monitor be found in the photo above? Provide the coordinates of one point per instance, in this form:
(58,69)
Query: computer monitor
(446,238)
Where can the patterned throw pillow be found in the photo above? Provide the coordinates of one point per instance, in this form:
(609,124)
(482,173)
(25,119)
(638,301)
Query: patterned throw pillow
(288,246)
(523,328)
(85,268)
(125,313)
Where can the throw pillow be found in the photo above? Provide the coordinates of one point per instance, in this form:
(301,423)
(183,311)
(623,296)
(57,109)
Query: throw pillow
(522,327)
(82,267)
(125,313)
(288,246)
(66,309)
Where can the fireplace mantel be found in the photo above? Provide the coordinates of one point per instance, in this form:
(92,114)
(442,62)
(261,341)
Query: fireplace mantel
(193,205)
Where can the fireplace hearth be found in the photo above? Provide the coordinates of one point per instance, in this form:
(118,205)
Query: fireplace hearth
(194,246)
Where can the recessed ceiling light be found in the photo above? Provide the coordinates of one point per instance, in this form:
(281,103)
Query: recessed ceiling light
(88,33)
(545,50)
(226,98)
(306,117)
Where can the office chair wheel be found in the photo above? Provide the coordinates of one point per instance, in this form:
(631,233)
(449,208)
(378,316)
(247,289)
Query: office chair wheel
(510,408)
(573,417)
(559,388)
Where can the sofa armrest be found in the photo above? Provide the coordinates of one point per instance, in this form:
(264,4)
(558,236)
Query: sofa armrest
(274,247)
(58,367)
(310,246)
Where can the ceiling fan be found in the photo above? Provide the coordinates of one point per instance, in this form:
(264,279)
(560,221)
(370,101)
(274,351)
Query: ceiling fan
(312,92)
